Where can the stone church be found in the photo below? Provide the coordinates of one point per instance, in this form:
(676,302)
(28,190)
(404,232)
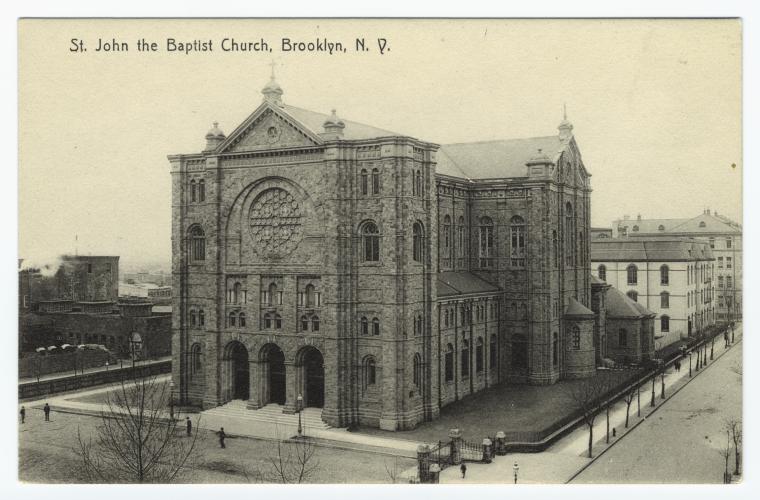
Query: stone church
(376,275)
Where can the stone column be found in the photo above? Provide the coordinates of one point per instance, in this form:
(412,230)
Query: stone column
(291,391)
(487,450)
(501,439)
(254,385)
(423,463)
(456,446)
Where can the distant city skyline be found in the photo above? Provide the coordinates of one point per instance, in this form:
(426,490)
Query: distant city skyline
(659,132)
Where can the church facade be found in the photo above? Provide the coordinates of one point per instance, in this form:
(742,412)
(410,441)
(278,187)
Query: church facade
(373,274)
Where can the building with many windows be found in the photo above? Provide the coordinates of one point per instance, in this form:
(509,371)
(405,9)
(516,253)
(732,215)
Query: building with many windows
(725,239)
(672,277)
(376,275)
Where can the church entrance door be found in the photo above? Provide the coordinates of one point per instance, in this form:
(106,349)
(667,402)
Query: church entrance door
(276,361)
(314,371)
(238,359)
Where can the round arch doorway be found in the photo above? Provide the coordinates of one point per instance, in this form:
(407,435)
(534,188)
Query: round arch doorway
(237,359)
(313,370)
(274,365)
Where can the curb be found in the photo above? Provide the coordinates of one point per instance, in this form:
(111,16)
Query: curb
(643,419)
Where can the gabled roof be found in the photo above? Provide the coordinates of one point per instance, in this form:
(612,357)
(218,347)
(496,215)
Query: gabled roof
(619,305)
(651,248)
(495,159)
(353,131)
(575,308)
(462,283)
(712,224)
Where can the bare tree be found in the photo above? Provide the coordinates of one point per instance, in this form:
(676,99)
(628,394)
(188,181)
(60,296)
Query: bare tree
(292,461)
(734,427)
(628,398)
(585,396)
(726,454)
(136,441)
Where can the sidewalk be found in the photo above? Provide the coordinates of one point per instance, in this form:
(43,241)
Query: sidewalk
(568,456)
(96,369)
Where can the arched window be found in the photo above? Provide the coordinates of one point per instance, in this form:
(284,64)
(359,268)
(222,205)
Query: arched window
(309,295)
(465,359)
(633,274)
(479,355)
(664,275)
(517,239)
(664,323)
(277,321)
(485,242)
(446,234)
(460,239)
(242,319)
(231,319)
(364,326)
(446,318)
(661,228)
(304,323)
(602,272)
(622,338)
(555,349)
(581,250)
(197,244)
(273,294)
(664,300)
(417,244)
(555,248)
(192,318)
(633,295)
(201,318)
(201,190)
(493,352)
(315,323)
(519,352)
(375,181)
(702,224)
(364,182)
(418,180)
(569,232)
(449,363)
(575,337)
(195,360)
(268,321)
(417,370)
(237,293)
(370,372)
(375,326)
(712,242)
(193,195)
(371,242)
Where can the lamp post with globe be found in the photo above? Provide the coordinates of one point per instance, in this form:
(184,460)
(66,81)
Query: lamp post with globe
(299,408)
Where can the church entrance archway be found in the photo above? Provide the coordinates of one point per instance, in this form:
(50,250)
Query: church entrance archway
(274,361)
(313,376)
(237,359)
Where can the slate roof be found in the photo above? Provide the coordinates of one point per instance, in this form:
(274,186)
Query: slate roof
(452,283)
(353,131)
(495,159)
(712,224)
(619,305)
(651,248)
(575,308)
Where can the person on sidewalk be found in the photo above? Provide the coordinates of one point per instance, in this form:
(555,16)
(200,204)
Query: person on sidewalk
(23,414)
(222,435)
(46,409)
(463,468)
(189,425)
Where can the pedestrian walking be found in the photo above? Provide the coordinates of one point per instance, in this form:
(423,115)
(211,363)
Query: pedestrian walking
(46,409)
(222,435)
(463,468)
(189,425)
(23,414)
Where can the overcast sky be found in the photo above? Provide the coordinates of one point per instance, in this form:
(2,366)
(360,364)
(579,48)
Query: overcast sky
(656,107)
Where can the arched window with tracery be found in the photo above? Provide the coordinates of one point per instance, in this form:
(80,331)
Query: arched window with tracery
(517,241)
(632,273)
(197,244)
(449,363)
(485,242)
(195,357)
(364,182)
(304,323)
(370,372)
(364,325)
(664,275)
(375,326)
(375,181)
(602,272)
(231,319)
(370,242)
(417,242)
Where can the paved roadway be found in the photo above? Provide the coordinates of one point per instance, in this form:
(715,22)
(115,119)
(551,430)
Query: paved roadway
(680,442)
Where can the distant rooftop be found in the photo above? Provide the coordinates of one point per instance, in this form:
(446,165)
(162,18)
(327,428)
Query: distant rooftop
(651,248)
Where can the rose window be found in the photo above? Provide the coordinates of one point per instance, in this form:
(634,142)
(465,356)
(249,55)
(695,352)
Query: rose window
(276,222)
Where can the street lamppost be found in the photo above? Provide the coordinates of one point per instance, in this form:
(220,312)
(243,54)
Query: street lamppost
(171,400)
(689,364)
(515,469)
(299,407)
(106,365)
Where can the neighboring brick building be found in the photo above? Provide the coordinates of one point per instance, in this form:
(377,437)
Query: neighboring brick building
(674,277)
(378,275)
(725,239)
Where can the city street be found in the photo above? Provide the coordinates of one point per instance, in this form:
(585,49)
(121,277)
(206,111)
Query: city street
(679,443)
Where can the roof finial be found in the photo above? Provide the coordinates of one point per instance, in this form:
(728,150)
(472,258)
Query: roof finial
(272,65)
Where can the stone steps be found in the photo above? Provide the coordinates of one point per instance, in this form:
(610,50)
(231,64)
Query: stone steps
(272,414)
